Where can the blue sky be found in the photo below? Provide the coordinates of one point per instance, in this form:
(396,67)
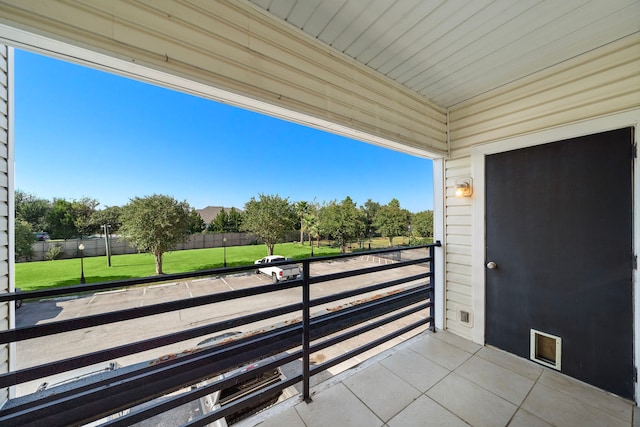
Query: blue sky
(82,132)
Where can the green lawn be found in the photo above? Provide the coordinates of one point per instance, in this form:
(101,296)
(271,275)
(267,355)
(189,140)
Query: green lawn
(47,274)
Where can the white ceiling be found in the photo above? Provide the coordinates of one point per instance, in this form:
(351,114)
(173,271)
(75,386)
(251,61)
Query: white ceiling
(452,50)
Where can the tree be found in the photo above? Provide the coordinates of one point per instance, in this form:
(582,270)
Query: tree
(422,224)
(342,221)
(109,215)
(83,211)
(62,220)
(235,220)
(220,223)
(33,210)
(311,227)
(270,218)
(196,223)
(391,220)
(301,209)
(156,224)
(24,240)
(369,210)
(309,222)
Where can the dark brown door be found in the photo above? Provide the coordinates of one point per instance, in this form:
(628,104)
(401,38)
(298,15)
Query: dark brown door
(559,228)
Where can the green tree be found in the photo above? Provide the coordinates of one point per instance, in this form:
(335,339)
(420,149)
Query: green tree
(270,218)
(83,211)
(392,221)
(342,221)
(309,222)
(109,215)
(311,227)
(24,240)
(62,220)
(301,208)
(156,224)
(220,224)
(422,224)
(235,220)
(369,211)
(32,209)
(196,223)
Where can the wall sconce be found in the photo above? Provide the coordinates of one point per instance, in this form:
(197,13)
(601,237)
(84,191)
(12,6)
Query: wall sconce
(464,187)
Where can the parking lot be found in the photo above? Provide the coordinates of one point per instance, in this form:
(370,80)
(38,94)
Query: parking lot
(42,350)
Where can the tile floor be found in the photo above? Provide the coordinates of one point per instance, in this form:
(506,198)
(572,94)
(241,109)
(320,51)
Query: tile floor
(443,380)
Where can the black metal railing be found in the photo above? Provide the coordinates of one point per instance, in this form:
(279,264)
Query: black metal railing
(298,338)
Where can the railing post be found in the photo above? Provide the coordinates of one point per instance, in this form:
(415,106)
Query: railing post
(306,321)
(432,283)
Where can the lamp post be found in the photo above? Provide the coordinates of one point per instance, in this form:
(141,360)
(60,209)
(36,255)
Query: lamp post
(81,249)
(224,245)
(107,243)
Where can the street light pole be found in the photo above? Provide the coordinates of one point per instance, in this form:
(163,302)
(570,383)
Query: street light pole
(81,249)
(224,245)
(107,243)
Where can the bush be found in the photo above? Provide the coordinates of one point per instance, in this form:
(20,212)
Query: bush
(54,252)
(24,240)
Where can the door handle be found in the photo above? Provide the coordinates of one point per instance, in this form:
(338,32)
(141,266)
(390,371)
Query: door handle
(492,265)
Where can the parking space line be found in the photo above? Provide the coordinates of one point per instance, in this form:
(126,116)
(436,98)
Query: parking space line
(188,289)
(163,285)
(227,283)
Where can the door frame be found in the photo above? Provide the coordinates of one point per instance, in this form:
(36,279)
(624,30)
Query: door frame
(479,152)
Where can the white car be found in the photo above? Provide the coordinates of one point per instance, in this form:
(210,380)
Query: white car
(278,272)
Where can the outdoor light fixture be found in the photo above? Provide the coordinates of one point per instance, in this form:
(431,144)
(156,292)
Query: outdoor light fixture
(464,188)
(224,243)
(81,250)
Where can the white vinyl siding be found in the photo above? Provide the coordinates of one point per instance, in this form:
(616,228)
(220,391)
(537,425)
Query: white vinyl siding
(604,81)
(5,312)
(458,246)
(235,47)
(600,83)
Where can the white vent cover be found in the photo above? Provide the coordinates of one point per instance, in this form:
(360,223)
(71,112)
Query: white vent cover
(546,349)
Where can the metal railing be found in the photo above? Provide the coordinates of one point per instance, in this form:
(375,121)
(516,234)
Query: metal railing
(298,338)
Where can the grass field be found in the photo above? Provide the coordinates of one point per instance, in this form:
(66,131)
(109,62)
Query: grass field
(65,272)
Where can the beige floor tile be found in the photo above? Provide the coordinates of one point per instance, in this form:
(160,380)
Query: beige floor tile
(288,418)
(607,402)
(471,402)
(496,379)
(521,366)
(382,391)
(560,409)
(337,406)
(444,354)
(524,419)
(426,412)
(415,369)
(458,341)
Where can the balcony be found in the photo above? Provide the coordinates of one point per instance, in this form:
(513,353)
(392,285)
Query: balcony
(441,379)
(351,342)
(168,355)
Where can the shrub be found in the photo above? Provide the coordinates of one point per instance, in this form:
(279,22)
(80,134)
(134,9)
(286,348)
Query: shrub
(54,252)
(24,240)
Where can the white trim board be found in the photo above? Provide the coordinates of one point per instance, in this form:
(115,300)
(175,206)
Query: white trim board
(439,234)
(478,153)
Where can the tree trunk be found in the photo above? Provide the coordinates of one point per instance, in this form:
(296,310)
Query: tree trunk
(301,237)
(270,247)
(390,241)
(158,257)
